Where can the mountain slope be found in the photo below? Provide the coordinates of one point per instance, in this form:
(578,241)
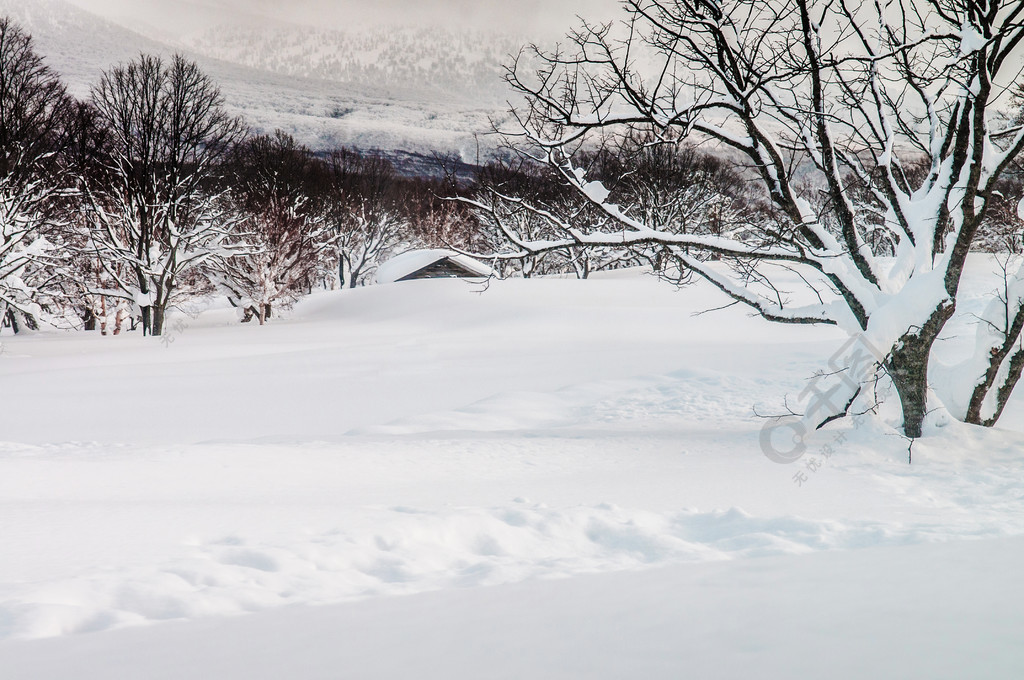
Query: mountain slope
(409,114)
(461,63)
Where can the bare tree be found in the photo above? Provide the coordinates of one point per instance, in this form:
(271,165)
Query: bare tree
(153,213)
(364,236)
(34,106)
(34,111)
(443,223)
(664,182)
(510,201)
(80,282)
(670,183)
(22,245)
(830,95)
(999,354)
(506,201)
(1003,228)
(283,239)
(280,249)
(361,206)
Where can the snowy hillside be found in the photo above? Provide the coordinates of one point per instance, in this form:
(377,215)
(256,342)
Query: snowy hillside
(496,455)
(457,63)
(80,45)
(410,112)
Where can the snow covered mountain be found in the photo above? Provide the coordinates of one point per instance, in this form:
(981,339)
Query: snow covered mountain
(413,90)
(80,45)
(461,63)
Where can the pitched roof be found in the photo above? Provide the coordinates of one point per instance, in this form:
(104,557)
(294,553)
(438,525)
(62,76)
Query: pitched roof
(412,261)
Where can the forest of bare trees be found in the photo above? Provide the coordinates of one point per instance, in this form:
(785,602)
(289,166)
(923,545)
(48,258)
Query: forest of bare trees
(120,207)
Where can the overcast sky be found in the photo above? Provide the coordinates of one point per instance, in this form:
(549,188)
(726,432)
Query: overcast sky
(549,16)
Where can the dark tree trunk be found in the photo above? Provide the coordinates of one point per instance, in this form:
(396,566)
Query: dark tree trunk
(996,360)
(90,320)
(19,321)
(907,365)
(147,321)
(158,320)
(978,399)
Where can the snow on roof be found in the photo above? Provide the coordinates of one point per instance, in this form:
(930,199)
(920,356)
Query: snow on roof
(413,261)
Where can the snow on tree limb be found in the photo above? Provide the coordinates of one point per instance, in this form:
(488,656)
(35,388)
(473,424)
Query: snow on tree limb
(888,113)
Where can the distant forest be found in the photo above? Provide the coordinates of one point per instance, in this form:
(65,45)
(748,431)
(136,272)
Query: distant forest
(121,207)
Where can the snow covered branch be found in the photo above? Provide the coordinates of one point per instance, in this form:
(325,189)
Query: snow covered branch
(871,130)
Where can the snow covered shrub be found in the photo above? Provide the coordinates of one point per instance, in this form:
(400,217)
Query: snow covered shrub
(363,204)
(279,253)
(1003,228)
(364,237)
(281,238)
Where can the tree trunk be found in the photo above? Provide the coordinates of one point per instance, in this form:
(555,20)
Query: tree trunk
(353,274)
(1008,350)
(975,411)
(158,320)
(12,318)
(581,264)
(20,321)
(147,323)
(907,365)
(103,315)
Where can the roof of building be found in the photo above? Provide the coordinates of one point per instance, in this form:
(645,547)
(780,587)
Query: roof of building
(412,261)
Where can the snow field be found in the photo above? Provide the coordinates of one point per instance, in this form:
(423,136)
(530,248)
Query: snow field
(478,449)
(878,612)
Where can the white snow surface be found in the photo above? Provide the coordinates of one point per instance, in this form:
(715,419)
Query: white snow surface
(541,478)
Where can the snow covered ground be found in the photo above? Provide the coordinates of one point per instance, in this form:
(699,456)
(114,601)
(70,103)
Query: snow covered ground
(543,479)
